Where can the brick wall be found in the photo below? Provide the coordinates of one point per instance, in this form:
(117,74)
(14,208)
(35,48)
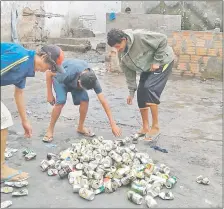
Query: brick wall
(197,53)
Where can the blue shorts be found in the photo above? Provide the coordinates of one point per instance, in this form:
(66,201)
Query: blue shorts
(61,94)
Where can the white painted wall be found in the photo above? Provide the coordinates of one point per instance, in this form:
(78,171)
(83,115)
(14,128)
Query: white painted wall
(54,25)
(71,9)
(97,9)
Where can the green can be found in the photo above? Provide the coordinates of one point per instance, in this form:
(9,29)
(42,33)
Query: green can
(138,189)
(171,182)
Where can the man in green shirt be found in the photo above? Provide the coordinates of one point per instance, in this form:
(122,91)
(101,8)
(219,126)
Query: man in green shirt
(147,53)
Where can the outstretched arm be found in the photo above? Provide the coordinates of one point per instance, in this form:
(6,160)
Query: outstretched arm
(49,80)
(115,129)
(20,102)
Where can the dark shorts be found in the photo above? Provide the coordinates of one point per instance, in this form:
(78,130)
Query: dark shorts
(151,85)
(61,94)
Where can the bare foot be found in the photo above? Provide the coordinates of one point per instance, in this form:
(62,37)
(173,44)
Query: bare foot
(6,172)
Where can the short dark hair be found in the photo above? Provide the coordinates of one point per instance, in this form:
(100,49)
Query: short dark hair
(88,79)
(115,36)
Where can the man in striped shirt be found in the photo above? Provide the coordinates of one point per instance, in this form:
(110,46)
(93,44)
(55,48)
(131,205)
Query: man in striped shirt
(18,63)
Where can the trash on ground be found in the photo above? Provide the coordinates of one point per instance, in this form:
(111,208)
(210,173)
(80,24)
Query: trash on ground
(22,192)
(96,166)
(6,204)
(17,184)
(202,180)
(6,190)
(159,149)
(29,154)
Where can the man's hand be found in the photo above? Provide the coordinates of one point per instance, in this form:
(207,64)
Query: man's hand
(154,67)
(129,100)
(116,130)
(51,99)
(27,128)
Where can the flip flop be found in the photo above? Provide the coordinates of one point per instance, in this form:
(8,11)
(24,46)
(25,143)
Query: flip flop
(10,177)
(151,137)
(88,134)
(47,139)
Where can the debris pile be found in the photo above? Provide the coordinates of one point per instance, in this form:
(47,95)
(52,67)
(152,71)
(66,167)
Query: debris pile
(97,165)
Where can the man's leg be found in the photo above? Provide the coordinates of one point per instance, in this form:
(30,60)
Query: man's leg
(61,97)
(145,120)
(83,108)
(81,98)
(54,117)
(155,122)
(6,172)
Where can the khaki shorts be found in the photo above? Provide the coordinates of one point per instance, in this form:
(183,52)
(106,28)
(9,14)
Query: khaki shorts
(6,118)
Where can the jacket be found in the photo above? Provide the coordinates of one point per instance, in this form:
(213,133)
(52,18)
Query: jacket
(143,49)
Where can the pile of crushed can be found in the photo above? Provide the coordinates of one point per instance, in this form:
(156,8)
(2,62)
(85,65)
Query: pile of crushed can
(94,166)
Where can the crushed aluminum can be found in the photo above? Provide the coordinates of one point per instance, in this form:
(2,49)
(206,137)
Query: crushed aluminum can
(101,189)
(114,185)
(118,182)
(109,175)
(95,141)
(107,162)
(58,165)
(150,202)
(136,161)
(164,169)
(100,171)
(51,163)
(132,155)
(83,141)
(140,175)
(79,166)
(76,188)
(135,198)
(133,148)
(144,160)
(18,184)
(103,152)
(62,173)
(51,156)
(95,184)
(125,181)
(166,195)
(98,157)
(201,180)
(44,165)
(153,191)
(22,192)
(108,186)
(122,171)
(138,189)
(171,182)
(100,138)
(108,147)
(52,172)
(117,158)
(125,157)
(6,204)
(30,156)
(86,194)
(6,190)
(73,175)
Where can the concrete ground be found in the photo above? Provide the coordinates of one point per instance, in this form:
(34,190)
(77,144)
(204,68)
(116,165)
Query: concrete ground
(190,117)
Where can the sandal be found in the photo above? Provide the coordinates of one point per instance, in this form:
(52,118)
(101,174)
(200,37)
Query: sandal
(150,138)
(12,176)
(47,139)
